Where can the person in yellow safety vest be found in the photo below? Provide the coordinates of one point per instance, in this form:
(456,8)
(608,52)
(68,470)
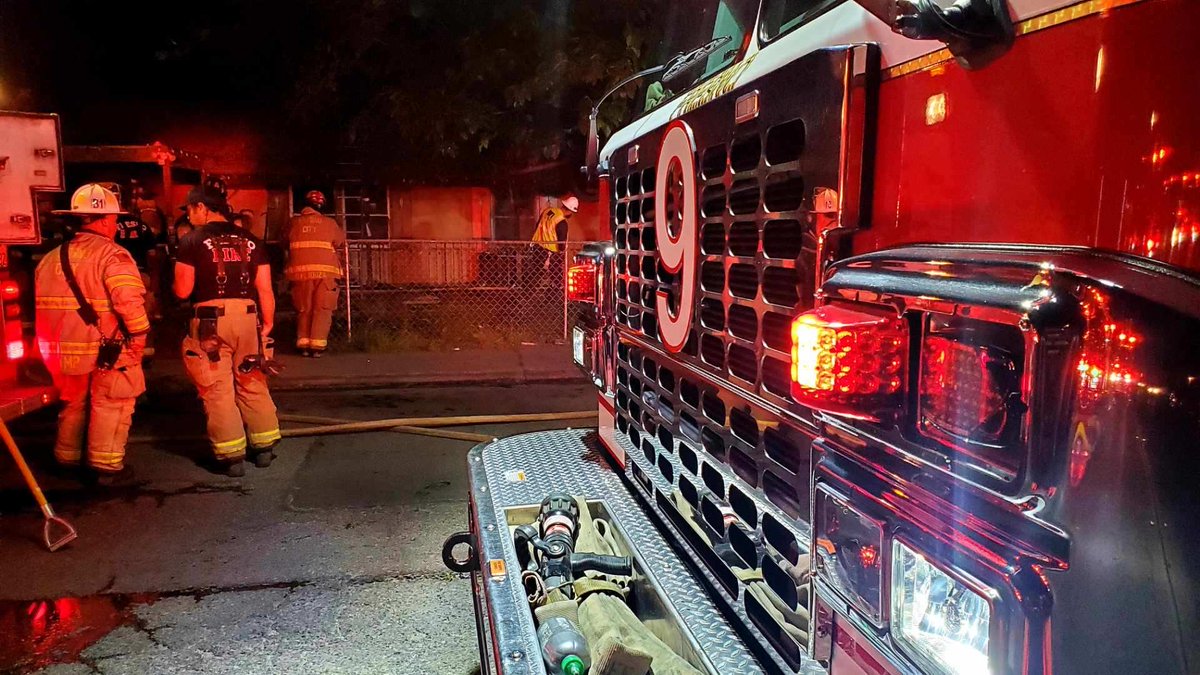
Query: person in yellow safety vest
(551,231)
(313,269)
(226,273)
(552,224)
(93,348)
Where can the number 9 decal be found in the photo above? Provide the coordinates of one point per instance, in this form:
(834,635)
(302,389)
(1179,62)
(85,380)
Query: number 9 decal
(675,230)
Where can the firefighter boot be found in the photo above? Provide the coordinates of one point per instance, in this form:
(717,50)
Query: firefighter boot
(235,469)
(264,456)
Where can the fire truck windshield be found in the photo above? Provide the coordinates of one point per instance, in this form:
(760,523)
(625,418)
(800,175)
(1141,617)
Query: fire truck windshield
(690,26)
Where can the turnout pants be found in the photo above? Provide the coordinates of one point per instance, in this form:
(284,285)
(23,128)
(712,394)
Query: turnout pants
(315,300)
(238,405)
(99,408)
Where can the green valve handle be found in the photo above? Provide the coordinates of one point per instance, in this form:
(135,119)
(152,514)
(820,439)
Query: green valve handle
(573,665)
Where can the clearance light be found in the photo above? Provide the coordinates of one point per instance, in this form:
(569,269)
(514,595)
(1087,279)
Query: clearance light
(15,350)
(961,389)
(9,290)
(936,618)
(581,282)
(848,361)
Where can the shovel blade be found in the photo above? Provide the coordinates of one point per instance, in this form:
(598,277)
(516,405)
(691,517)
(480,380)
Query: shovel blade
(64,535)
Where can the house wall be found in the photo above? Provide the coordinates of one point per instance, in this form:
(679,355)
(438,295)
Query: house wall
(440,213)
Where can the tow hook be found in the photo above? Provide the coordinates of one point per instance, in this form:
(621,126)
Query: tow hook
(469,563)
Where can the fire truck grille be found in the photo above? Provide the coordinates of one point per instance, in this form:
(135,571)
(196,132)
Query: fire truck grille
(739,470)
(709,430)
(755,267)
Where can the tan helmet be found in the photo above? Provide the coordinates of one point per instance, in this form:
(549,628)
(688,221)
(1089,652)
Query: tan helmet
(570,203)
(93,200)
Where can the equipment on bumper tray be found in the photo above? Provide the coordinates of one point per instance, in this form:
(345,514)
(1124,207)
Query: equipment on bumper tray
(553,557)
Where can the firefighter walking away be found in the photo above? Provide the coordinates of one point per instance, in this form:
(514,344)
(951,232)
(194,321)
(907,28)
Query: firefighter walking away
(313,270)
(91,328)
(224,270)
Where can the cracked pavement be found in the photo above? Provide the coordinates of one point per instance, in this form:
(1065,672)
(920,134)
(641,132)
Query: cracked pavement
(327,562)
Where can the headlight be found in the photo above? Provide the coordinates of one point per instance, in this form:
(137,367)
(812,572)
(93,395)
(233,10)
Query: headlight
(939,620)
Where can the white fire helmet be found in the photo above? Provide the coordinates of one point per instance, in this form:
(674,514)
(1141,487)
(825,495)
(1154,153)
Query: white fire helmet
(93,200)
(571,203)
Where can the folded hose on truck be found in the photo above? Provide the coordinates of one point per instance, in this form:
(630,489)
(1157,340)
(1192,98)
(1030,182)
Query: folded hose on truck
(620,644)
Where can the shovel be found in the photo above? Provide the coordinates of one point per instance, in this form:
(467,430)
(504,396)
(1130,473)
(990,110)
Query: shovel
(67,533)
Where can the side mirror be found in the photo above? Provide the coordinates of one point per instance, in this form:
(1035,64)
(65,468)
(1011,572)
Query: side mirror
(590,170)
(977,32)
(593,146)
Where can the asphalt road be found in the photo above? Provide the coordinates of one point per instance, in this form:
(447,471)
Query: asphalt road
(327,562)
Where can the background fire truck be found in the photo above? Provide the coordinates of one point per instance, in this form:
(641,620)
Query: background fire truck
(895,346)
(30,164)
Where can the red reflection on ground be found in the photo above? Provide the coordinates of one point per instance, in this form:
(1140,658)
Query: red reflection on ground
(37,634)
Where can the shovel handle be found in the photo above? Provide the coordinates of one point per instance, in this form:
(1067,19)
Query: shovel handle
(67,537)
(25,472)
(68,534)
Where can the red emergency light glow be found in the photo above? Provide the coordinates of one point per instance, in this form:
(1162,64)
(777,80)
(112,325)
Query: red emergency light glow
(15,350)
(868,555)
(581,282)
(848,361)
(9,290)
(959,392)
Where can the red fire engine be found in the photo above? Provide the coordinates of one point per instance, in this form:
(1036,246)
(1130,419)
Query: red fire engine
(30,163)
(895,347)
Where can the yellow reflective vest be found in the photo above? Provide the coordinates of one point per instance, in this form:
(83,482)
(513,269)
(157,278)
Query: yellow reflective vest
(313,240)
(112,284)
(546,234)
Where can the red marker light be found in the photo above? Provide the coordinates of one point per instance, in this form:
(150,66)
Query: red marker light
(9,290)
(15,350)
(868,555)
(848,361)
(581,283)
(959,392)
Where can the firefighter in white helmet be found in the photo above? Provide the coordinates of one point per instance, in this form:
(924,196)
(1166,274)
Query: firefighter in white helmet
(91,328)
(313,269)
(225,272)
(551,231)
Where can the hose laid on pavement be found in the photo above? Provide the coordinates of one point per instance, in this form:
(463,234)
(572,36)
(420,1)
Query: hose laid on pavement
(334,426)
(421,426)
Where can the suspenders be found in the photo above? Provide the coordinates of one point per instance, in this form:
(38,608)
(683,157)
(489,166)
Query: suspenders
(243,246)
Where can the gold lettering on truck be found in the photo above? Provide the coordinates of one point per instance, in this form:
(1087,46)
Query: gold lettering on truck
(713,89)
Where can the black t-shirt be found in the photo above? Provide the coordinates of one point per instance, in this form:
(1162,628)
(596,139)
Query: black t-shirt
(137,238)
(226,259)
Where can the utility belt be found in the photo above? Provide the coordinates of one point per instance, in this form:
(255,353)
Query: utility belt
(217,311)
(207,317)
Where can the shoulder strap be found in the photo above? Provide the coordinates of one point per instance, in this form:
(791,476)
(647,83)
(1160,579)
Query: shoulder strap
(86,311)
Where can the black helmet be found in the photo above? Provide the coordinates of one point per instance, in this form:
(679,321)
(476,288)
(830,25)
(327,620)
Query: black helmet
(207,195)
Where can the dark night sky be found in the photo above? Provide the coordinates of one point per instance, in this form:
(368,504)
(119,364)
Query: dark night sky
(502,82)
(146,58)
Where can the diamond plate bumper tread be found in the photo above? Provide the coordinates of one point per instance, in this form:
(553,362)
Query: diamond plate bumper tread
(521,470)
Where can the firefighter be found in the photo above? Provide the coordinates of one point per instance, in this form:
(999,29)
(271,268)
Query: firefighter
(91,328)
(550,231)
(136,237)
(225,272)
(313,270)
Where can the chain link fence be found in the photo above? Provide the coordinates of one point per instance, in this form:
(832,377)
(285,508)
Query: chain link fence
(406,295)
